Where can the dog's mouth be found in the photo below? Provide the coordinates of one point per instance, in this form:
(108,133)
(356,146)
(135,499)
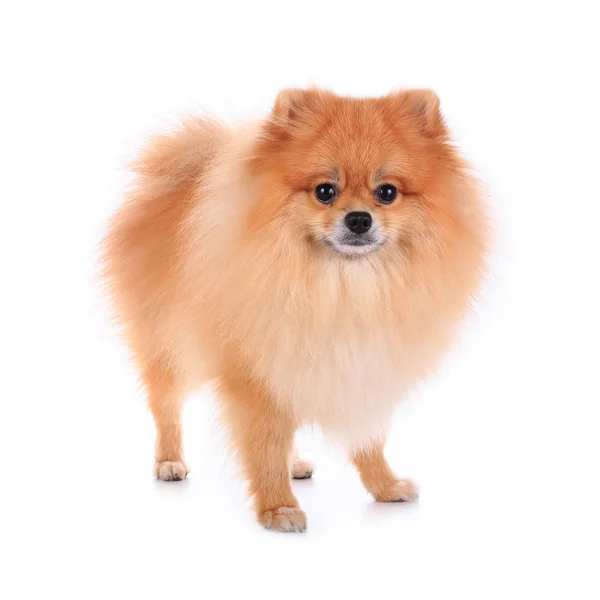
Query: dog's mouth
(350,244)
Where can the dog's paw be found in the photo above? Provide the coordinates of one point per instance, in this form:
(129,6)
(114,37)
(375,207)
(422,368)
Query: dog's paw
(302,469)
(401,490)
(168,470)
(284,518)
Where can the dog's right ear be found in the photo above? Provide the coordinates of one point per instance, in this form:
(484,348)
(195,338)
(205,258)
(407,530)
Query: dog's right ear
(288,104)
(295,112)
(293,105)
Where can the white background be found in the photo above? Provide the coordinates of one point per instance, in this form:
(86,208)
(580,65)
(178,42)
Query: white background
(503,441)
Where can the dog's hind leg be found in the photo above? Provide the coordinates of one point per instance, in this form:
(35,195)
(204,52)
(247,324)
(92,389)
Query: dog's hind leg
(165,398)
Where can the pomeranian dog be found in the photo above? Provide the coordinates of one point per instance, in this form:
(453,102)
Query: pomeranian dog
(315,265)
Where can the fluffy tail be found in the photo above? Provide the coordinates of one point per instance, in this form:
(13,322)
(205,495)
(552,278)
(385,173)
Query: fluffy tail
(173,162)
(140,250)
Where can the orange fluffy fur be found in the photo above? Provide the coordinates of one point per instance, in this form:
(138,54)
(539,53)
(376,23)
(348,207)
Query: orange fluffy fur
(219,271)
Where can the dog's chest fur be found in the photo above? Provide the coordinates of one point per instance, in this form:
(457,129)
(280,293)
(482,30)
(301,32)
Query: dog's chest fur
(334,352)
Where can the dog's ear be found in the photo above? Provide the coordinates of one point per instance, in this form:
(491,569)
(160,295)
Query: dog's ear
(296,112)
(295,105)
(422,106)
(290,103)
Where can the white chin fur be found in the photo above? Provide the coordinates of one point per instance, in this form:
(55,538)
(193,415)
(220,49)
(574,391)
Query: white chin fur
(340,234)
(355,250)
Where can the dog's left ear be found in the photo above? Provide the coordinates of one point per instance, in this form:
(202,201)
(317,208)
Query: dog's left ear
(424,107)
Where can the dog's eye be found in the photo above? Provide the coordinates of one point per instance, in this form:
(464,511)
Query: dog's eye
(386,193)
(325,193)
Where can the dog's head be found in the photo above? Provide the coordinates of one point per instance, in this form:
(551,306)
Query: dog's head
(353,176)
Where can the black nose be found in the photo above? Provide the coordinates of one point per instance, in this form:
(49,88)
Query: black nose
(358,222)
